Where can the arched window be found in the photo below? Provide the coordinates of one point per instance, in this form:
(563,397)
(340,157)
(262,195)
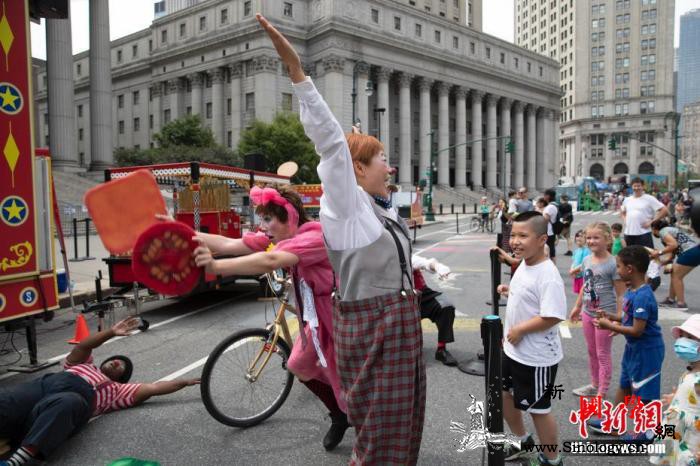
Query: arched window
(646,168)
(620,169)
(597,171)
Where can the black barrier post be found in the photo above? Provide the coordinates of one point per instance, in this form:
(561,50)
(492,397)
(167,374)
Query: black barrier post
(464,208)
(452,208)
(75,240)
(440,209)
(87,240)
(495,281)
(491,335)
(457,221)
(475,207)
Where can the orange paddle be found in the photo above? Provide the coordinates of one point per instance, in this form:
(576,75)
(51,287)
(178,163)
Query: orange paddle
(122,209)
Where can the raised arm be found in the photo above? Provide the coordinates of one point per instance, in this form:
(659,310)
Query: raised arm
(83,350)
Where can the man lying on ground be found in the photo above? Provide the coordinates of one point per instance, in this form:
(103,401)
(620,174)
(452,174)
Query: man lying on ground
(39,415)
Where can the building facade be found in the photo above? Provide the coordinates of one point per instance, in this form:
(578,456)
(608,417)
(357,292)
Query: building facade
(399,70)
(690,142)
(616,79)
(688,61)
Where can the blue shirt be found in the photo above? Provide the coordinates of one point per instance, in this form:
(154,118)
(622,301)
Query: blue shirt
(577,259)
(641,304)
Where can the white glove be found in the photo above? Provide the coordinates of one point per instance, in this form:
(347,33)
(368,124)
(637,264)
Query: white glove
(441,269)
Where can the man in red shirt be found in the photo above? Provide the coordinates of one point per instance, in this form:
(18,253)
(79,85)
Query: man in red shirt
(38,416)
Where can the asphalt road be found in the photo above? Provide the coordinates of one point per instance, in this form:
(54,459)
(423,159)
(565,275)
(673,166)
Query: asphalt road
(177,430)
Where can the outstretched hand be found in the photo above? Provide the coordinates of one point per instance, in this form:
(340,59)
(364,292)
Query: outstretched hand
(284,49)
(126,326)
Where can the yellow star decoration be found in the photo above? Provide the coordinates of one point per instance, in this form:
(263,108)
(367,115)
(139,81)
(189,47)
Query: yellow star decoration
(8,98)
(14,210)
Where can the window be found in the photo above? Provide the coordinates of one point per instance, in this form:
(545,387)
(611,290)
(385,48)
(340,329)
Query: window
(121,126)
(651,90)
(250,101)
(472,47)
(120,101)
(516,62)
(625,62)
(645,44)
(208,110)
(626,93)
(166,116)
(645,60)
(286,102)
(375,15)
(135,97)
(618,109)
(247,8)
(150,121)
(228,107)
(438,36)
(150,45)
(419,30)
(202,23)
(78,69)
(488,52)
(541,71)
(642,107)
(594,24)
(224,16)
(652,75)
(652,106)
(397,23)
(594,111)
(119,56)
(455,42)
(645,30)
(594,37)
(288,9)
(183,29)
(229,138)
(80,111)
(529,67)
(137,124)
(644,75)
(80,134)
(164,36)
(134,51)
(652,28)
(652,43)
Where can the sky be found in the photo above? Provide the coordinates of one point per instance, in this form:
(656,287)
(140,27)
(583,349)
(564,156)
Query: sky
(128,16)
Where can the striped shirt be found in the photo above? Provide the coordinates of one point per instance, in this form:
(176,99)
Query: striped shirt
(109,395)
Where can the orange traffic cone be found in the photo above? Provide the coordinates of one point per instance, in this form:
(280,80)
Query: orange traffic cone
(81,330)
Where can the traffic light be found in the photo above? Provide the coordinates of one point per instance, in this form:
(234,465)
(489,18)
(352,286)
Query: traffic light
(612,144)
(510,147)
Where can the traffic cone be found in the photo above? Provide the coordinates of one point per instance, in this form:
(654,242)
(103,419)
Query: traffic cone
(81,330)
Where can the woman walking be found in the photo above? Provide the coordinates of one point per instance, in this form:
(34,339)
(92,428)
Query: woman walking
(376,318)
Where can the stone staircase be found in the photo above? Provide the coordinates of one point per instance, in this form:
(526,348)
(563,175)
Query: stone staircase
(71,187)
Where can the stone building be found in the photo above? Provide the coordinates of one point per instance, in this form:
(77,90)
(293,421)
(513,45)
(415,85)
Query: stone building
(399,70)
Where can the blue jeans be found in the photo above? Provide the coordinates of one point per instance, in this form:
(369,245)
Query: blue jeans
(46,411)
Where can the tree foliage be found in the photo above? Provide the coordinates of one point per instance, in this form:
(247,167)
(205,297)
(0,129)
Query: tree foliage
(281,141)
(186,131)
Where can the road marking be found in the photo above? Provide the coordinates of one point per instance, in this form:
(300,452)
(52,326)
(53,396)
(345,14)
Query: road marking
(156,325)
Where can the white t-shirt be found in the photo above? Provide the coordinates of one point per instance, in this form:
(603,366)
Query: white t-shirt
(552,211)
(512,205)
(535,291)
(639,210)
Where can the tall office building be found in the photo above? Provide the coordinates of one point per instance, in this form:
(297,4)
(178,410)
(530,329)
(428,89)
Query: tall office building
(689,60)
(616,78)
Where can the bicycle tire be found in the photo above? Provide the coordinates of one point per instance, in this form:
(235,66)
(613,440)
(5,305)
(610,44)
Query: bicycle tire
(474,224)
(215,403)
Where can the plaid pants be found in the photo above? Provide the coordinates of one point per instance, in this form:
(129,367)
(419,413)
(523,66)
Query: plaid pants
(378,345)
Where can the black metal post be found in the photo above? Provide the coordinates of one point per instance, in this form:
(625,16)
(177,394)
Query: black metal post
(491,335)
(87,239)
(464,208)
(457,221)
(475,207)
(440,209)
(495,281)
(75,240)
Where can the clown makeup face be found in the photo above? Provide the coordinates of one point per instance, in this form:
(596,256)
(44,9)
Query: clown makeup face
(113,369)
(274,228)
(374,176)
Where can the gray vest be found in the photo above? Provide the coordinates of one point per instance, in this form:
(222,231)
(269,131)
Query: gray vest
(374,270)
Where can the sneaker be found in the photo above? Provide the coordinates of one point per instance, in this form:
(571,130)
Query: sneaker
(640,437)
(339,424)
(543,460)
(678,307)
(667,303)
(594,424)
(586,390)
(511,452)
(568,253)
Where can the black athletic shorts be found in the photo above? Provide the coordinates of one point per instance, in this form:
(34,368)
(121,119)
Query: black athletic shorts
(551,242)
(532,387)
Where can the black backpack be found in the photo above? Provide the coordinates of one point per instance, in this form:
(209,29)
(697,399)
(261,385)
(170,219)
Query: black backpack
(557,226)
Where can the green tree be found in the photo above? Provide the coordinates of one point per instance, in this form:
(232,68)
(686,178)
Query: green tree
(280,141)
(186,131)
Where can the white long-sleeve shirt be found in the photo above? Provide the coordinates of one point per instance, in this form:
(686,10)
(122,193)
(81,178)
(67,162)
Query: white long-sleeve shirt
(346,215)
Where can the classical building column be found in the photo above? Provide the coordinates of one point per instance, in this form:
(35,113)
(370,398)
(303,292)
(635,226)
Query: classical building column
(100,87)
(425,85)
(550,151)
(218,77)
(362,101)
(477,147)
(553,164)
(383,75)
(460,137)
(155,107)
(333,68)
(443,157)
(235,71)
(492,143)
(197,81)
(519,160)
(265,69)
(176,90)
(634,153)
(61,101)
(505,131)
(405,152)
(531,157)
(541,143)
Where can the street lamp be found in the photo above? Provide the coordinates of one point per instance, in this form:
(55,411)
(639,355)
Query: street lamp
(369,87)
(379,121)
(430,215)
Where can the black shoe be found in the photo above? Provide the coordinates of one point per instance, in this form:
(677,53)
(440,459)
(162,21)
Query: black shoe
(445,357)
(339,424)
(568,253)
(511,452)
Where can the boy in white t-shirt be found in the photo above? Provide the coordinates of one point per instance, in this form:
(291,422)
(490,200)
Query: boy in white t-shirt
(532,346)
